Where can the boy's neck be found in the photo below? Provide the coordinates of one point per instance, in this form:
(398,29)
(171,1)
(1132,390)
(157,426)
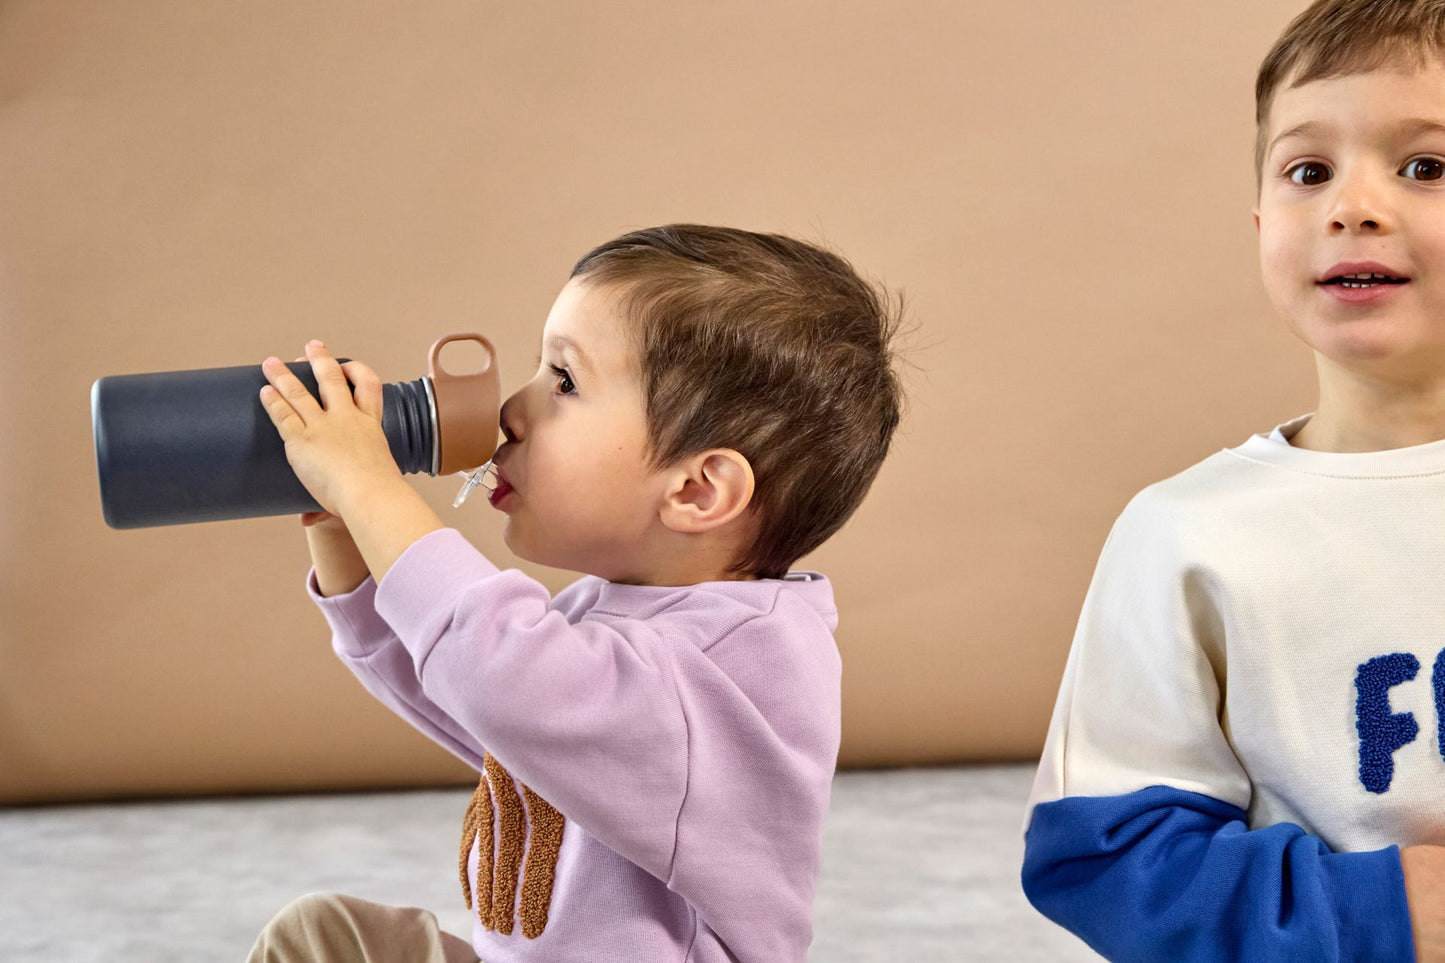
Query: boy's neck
(1358,413)
(670,559)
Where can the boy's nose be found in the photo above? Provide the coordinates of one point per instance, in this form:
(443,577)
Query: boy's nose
(1351,223)
(511,417)
(1358,208)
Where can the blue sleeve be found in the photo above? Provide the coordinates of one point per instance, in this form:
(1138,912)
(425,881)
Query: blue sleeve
(1166,874)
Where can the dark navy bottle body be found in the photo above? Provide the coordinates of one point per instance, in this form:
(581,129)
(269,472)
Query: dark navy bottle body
(178,447)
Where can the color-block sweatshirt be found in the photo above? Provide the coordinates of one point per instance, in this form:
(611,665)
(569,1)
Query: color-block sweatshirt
(1252,718)
(656,761)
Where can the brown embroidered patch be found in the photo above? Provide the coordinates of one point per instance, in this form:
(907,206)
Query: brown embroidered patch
(477,827)
(496,820)
(541,869)
(511,840)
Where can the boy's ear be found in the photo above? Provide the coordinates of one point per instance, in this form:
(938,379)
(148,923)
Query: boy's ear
(707,490)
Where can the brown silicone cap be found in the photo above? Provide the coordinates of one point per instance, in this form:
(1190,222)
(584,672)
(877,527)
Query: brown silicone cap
(468,408)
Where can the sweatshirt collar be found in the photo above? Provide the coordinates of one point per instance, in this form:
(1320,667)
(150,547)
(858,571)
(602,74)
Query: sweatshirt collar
(812,588)
(1274,449)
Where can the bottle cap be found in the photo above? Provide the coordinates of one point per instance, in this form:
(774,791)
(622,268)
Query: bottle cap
(468,409)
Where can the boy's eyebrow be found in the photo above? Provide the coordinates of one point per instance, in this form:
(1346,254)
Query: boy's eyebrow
(1298,130)
(566,345)
(1420,125)
(1411,127)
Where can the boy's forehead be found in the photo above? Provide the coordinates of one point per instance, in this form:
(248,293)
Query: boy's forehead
(1395,95)
(585,325)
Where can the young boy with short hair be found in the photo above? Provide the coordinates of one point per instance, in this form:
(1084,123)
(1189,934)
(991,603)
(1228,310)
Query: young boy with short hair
(1247,756)
(657,742)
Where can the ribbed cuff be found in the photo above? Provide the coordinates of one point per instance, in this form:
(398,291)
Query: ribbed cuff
(352,616)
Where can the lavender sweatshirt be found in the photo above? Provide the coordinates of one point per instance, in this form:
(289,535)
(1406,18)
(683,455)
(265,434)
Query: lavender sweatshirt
(656,761)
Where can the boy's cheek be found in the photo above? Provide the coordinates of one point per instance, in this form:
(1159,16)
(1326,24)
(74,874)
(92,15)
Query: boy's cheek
(1279,261)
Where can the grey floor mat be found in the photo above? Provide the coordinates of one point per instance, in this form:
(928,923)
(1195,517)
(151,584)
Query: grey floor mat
(919,865)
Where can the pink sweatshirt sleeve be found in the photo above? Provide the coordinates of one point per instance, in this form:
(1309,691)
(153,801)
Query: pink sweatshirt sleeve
(371,650)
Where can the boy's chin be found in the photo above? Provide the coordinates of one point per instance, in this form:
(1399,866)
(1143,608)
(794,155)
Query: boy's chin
(516,543)
(528,550)
(1384,360)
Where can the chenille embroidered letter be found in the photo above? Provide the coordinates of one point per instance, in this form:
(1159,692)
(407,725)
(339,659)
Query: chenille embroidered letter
(1438,678)
(1382,730)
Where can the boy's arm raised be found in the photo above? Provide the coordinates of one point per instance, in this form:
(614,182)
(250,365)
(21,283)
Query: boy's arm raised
(335,558)
(351,447)
(372,651)
(339,452)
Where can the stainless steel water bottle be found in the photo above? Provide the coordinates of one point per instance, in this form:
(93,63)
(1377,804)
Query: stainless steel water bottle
(197,446)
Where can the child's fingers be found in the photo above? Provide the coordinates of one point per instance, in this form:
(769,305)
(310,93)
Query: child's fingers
(289,390)
(329,378)
(366,385)
(279,410)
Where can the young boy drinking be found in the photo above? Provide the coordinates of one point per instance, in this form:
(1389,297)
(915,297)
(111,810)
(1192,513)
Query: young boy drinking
(656,743)
(1247,757)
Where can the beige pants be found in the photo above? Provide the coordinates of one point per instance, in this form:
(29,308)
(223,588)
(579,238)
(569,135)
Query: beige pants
(332,928)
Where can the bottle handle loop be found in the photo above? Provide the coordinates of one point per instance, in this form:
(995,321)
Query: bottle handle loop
(468,408)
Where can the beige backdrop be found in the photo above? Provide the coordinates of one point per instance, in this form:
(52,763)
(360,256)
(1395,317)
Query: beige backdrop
(1062,190)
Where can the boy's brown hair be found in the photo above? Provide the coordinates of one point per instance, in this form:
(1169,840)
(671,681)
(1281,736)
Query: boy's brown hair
(1335,38)
(769,346)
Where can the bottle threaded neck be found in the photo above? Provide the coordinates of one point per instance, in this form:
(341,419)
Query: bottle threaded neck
(409,422)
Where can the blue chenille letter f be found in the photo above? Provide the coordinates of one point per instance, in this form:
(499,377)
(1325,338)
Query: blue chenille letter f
(1381,730)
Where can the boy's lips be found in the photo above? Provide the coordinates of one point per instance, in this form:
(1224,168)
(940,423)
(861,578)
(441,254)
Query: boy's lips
(1356,282)
(503,489)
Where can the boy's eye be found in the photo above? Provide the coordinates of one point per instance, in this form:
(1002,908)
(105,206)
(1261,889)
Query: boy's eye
(1424,169)
(1309,173)
(564,381)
